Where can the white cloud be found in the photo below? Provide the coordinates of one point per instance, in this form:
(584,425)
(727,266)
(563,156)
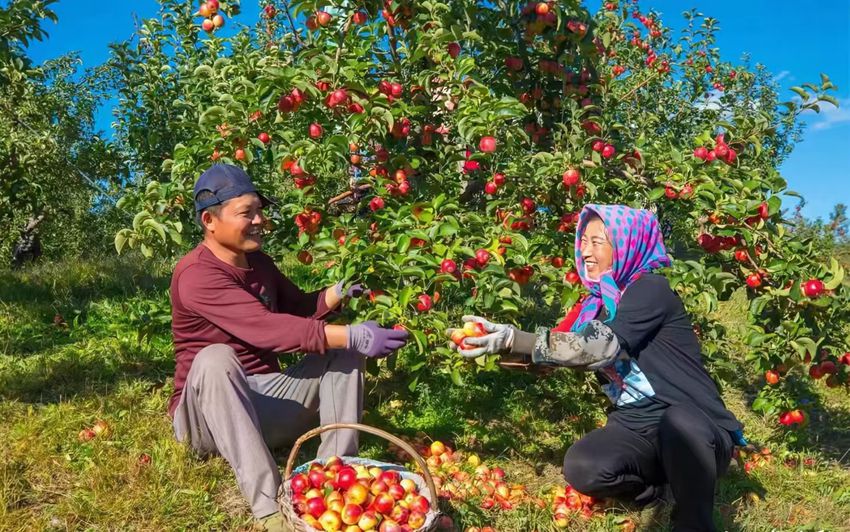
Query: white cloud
(831,116)
(712,101)
(782,75)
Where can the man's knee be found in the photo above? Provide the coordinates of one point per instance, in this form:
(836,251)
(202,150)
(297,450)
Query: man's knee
(215,359)
(345,360)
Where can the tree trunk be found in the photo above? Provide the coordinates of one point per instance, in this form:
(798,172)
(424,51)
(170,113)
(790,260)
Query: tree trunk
(28,247)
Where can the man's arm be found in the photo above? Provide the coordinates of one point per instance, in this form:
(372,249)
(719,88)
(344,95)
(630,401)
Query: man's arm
(218,298)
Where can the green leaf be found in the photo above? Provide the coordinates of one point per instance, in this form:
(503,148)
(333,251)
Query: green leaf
(837,275)
(120,240)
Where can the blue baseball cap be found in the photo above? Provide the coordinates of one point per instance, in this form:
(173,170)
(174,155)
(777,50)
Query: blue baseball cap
(225,181)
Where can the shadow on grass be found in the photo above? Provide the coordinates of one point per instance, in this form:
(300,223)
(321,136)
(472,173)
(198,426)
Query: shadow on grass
(80,372)
(48,357)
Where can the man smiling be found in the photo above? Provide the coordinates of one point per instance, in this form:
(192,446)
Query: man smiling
(232,313)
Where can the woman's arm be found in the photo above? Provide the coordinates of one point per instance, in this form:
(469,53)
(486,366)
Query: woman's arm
(593,347)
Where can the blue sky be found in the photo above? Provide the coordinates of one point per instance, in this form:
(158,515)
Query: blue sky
(774,33)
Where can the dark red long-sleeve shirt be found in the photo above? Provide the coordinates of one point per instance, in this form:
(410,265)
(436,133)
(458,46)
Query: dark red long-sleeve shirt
(256,311)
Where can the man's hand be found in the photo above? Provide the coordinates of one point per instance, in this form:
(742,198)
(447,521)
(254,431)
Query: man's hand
(499,339)
(374,341)
(355,290)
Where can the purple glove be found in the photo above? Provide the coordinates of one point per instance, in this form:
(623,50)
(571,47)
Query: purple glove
(372,340)
(355,290)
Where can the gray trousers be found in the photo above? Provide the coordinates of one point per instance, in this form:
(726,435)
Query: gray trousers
(224,411)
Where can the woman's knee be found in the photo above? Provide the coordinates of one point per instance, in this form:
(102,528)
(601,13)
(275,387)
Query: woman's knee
(583,469)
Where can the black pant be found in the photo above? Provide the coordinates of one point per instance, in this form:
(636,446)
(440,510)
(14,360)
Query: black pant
(687,450)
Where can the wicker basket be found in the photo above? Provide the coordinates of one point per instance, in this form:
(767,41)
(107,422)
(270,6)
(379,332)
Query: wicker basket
(422,482)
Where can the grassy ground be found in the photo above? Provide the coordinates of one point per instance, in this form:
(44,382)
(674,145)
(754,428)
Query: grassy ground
(70,354)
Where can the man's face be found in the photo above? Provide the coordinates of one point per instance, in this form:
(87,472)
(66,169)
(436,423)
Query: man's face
(238,226)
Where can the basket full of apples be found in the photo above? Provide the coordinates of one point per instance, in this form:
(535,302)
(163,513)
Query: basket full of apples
(353,494)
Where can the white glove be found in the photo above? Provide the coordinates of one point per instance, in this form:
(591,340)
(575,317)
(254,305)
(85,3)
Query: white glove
(499,339)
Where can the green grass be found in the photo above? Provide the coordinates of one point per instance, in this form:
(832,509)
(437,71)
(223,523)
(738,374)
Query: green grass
(56,379)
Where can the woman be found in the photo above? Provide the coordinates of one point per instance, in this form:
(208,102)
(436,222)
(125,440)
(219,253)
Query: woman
(668,425)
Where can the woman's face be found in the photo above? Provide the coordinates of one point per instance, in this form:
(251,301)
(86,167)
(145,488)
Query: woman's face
(596,249)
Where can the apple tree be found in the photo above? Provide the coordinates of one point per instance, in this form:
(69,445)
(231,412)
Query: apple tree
(55,172)
(441,151)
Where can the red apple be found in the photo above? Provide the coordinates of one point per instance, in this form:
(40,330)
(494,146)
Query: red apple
(608,151)
(399,514)
(571,177)
(368,520)
(323,18)
(454,49)
(827,367)
(482,257)
(396,491)
(315,130)
(359,17)
(491,188)
(264,137)
(815,372)
(330,521)
(542,8)
(316,506)
(437,448)
(424,303)
(239,154)
(771,376)
(420,504)
(357,494)
(383,503)
(416,520)
(448,266)
(572,277)
(351,514)
(388,525)
(487,144)
(207,25)
(390,477)
(845,359)
(557,262)
(345,477)
(813,288)
(101,428)
(218,21)
(797,416)
(299,483)
(376,204)
(754,280)
(317,477)
(408,484)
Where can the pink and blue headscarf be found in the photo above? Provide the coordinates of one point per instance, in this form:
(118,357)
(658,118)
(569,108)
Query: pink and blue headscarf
(638,249)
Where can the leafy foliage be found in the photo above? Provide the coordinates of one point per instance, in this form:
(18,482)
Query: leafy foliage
(452,128)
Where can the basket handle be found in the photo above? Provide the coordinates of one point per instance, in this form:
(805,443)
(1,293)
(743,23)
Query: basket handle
(293,454)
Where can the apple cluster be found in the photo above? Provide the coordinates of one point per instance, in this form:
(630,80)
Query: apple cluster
(336,496)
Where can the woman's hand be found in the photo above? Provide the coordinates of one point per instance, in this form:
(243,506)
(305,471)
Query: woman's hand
(499,338)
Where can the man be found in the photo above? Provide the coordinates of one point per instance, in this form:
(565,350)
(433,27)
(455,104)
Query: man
(233,312)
